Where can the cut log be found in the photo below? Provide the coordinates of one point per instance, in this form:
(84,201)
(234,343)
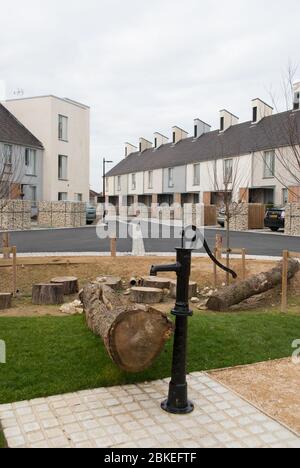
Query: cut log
(5,301)
(142,295)
(193,289)
(133,335)
(48,294)
(156,282)
(70,284)
(258,284)
(113,282)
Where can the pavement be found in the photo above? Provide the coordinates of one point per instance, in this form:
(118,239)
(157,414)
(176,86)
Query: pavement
(131,417)
(160,239)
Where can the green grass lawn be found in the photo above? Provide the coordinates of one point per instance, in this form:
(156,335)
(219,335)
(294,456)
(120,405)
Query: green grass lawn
(2,440)
(53,355)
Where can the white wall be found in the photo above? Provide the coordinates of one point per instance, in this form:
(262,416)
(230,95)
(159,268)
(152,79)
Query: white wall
(157,182)
(139,177)
(40,116)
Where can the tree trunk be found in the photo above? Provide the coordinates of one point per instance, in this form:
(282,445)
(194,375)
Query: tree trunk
(156,282)
(48,294)
(146,295)
(69,283)
(133,335)
(5,301)
(239,292)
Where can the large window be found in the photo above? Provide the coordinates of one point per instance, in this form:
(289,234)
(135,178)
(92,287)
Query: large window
(78,197)
(133,181)
(196,177)
(269,164)
(228,171)
(62,196)
(119,184)
(62,128)
(170,177)
(30,162)
(285,196)
(150,180)
(62,167)
(33,191)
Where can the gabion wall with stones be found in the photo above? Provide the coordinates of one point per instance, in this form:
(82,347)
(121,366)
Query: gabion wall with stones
(61,214)
(239,221)
(15,215)
(292,219)
(193,214)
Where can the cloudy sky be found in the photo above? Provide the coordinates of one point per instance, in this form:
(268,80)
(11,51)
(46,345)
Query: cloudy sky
(144,66)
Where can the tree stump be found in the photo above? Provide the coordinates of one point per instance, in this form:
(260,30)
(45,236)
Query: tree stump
(258,284)
(113,282)
(193,289)
(48,294)
(133,335)
(156,282)
(5,301)
(69,283)
(142,295)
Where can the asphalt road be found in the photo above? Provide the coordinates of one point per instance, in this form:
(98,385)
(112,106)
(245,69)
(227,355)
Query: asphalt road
(86,240)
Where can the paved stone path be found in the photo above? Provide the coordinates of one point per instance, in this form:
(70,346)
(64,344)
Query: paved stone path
(130,417)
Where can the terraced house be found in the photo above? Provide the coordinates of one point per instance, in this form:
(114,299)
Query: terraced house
(21,160)
(256,161)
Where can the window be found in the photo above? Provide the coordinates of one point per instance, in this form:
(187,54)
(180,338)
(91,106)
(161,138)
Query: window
(62,196)
(174,137)
(133,181)
(269,164)
(285,196)
(196,174)
(228,171)
(8,150)
(62,128)
(62,167)
(170,177)
(150,180)
(78,197)
(140,147)
(222,124)
(155,142)
(297,101)
(196,131)
(30,162)
(254,119)
(119,184)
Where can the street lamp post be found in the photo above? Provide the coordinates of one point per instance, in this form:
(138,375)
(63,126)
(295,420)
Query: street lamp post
(104,175)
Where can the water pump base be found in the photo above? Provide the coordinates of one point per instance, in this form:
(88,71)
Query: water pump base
(169,409)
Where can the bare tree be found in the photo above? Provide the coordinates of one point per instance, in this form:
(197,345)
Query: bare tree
(230,182)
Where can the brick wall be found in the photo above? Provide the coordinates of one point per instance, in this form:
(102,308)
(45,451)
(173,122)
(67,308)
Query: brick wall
(15,215)
(61,214)
(292,219)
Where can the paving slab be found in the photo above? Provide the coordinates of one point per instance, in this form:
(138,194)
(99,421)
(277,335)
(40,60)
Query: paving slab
(130,417)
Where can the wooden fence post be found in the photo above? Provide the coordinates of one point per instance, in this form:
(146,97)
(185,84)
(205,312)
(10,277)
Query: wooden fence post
(14,252)
(5,245)
(113,247)
(284,298)
(215,270)
(244,263)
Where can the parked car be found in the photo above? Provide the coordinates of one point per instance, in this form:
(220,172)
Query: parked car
(275,219)
(221,217)
(91,214)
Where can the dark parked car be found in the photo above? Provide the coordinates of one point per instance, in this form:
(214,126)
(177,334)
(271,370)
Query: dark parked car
(275,219)
(91,214)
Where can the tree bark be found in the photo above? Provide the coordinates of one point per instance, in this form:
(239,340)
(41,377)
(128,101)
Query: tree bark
(48,294)
(5,301)
(258,284)
(69,283)
(133,335)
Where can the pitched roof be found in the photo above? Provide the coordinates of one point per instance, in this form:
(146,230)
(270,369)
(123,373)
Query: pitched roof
(272,132)
(12,131)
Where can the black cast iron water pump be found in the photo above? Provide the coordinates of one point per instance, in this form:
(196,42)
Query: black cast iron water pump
(178,402)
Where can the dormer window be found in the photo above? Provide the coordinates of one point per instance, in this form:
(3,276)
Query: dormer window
(155,143)
(297,101)
(174,137)
(222,122)
(254,117)
(196,131)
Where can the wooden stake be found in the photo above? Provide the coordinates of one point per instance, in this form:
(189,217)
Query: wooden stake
(113,247)
(284,299)
(244,263)
(215,270)
(5,245)
(14,252)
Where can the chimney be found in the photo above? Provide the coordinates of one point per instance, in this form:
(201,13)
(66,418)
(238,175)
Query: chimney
(200,128)
(129,149)
(160,140)
(144,145)
(178,134)
(296,97)
(260,110)
(227,120)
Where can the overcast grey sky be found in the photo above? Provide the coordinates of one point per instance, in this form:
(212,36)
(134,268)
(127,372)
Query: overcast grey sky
(144,66)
